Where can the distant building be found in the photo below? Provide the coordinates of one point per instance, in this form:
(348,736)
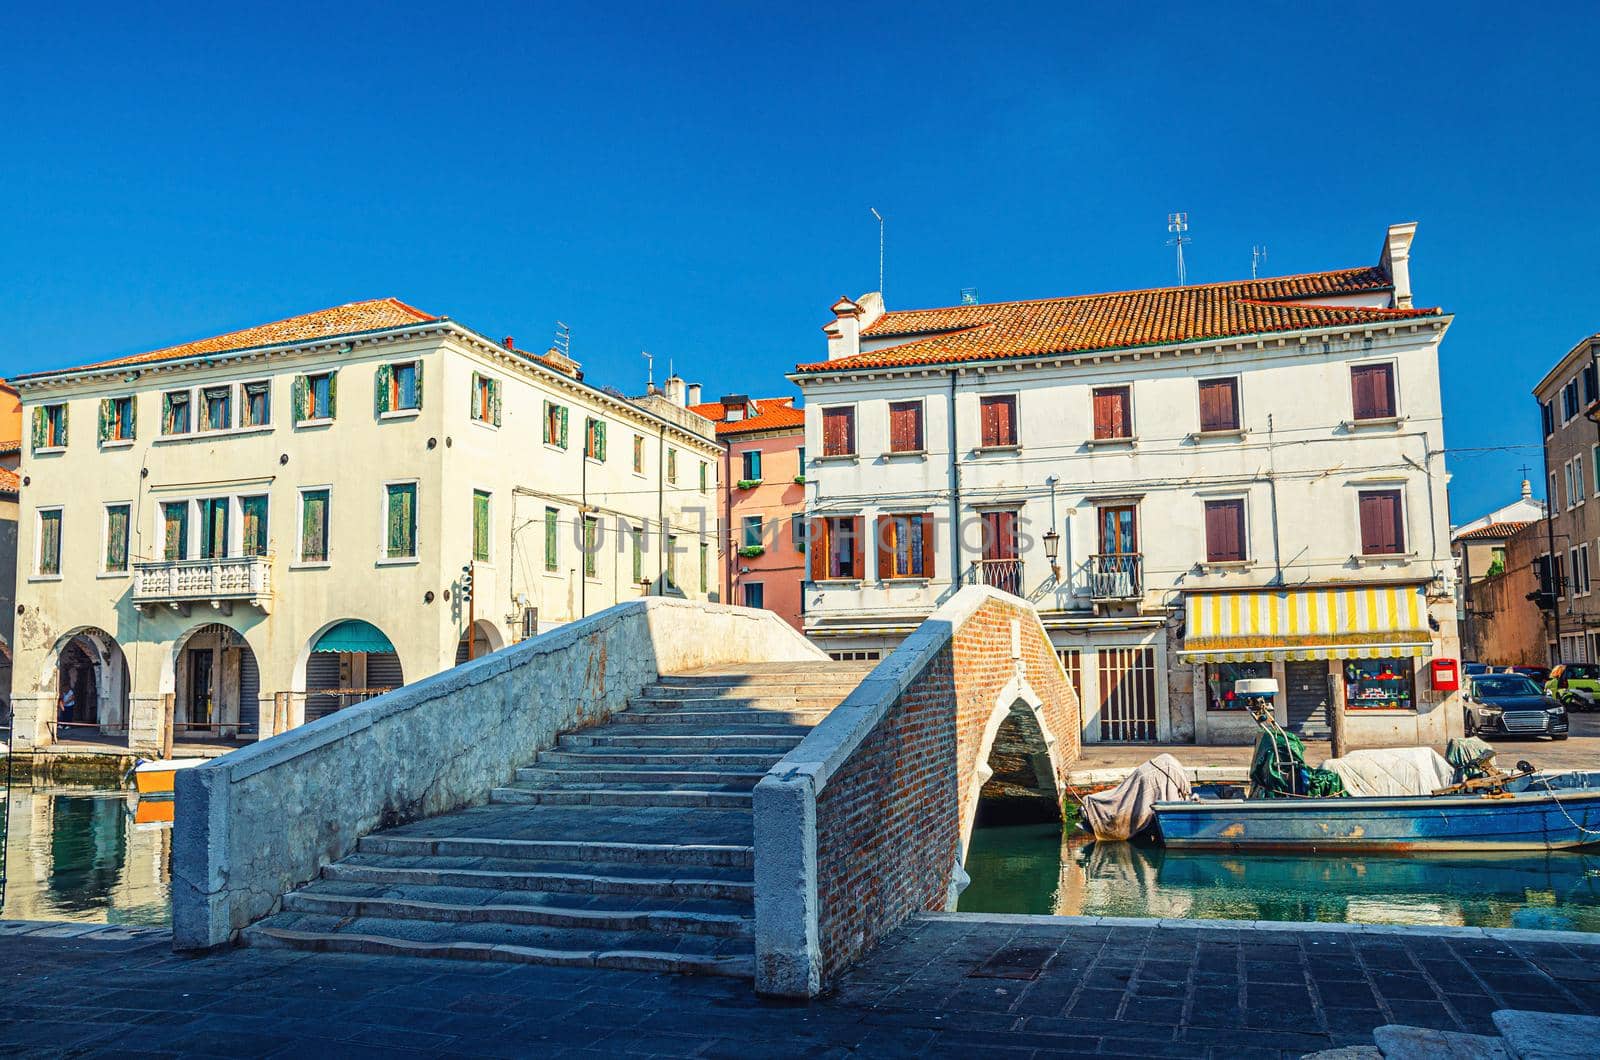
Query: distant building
(10,483)
(763,498)
(1504,624)
(1479,548)
(271,524)
(1568,396)
(1194,485)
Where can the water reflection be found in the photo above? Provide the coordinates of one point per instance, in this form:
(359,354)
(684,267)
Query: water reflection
(87,854)
(1031,869)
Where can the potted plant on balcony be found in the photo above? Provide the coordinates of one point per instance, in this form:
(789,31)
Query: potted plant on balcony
(748,483)
(751,551)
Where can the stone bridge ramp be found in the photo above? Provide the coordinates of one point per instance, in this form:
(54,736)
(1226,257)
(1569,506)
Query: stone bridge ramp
(629,844)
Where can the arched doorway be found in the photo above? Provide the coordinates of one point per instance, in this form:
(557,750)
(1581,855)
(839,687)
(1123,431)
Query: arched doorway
(350,662)
(486,639)
(89,676)
(1021,788)
(216,685)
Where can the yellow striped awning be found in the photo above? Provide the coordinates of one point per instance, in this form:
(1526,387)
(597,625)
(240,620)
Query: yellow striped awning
(1337,623)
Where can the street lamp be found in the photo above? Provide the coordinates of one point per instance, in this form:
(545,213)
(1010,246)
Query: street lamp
(1052,550)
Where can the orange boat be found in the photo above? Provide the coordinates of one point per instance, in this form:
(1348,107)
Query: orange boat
(155,778)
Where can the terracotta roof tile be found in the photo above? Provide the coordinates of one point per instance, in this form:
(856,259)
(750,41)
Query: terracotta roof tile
(774,414)
(1494,531)
(1120,320)
(372,315)
(9,481)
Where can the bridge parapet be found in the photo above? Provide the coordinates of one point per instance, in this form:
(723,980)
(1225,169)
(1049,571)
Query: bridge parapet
(866,822)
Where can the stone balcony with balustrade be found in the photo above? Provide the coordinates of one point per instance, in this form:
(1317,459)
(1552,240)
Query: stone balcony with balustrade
(220,582)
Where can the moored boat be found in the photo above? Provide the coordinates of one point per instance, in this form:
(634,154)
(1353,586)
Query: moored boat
(155,778)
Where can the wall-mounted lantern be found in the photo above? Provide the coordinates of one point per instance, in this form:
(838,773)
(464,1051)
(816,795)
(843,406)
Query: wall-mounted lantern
(1052,550)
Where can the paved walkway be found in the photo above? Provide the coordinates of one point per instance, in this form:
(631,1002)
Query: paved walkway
(995,986)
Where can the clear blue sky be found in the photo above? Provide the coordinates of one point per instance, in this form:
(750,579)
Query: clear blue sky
(695,180)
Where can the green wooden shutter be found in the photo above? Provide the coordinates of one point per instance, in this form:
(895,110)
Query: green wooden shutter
(62,440)
(132,424)
(333,394)
(600,441)
(480,526)
(563,426)
(380,388)
(103,424)
(550,531)
(38,426)
(402,521)
(299,393)
(417,369)
(546,427)
(494,396)
(638,557)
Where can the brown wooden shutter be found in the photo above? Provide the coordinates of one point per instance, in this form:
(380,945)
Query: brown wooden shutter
(885,540)
(819,549)
(838,432)
(1111,418)
(927,544)
(1225,531)
(1006,420)
(1381,531)
(1219,405)
(858,539)
(1372,391)
(989,420)
(905,426)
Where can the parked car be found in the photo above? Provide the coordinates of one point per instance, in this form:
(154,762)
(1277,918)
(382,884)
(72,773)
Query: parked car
(1577,685)
(1539,675)
(1473,669)
(1512,705)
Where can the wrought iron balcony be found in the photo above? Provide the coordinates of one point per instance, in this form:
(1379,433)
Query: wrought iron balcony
(1003,574)
(1117,576)
(220,582)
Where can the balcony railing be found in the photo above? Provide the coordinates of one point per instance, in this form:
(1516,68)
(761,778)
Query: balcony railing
(1116,576)
(1003,574)
(220,582)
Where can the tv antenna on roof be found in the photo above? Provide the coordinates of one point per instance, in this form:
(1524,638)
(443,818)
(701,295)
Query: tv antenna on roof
(1178,224)
(563,341)
(649,371)
(879,216)
(1257,256)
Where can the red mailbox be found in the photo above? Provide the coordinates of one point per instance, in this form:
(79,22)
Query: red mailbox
(1446,675)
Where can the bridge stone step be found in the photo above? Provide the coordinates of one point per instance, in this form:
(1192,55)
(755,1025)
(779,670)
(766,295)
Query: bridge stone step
(617,795)
(658,738)
(614,757)
(740,719)
(567,776)
(553,878)
(697,705)
(642,951)
(586,851)
(826,689)
(731,922)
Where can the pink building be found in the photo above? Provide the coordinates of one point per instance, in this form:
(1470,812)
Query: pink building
(763,501)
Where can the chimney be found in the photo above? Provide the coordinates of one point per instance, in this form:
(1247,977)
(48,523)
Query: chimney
(674,388)
(694,393)
(509,343)
(1396,261)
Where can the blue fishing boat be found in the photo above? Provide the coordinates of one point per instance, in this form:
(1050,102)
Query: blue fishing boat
(1537,811)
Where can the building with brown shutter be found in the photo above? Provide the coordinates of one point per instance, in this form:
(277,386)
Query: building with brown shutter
(1193,485)
(1569,410)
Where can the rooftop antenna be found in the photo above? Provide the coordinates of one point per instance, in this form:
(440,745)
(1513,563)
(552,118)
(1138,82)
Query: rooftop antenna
(879,216)
(969,296)
(649,371)
(1258,254)
(1178,224)
(564,339)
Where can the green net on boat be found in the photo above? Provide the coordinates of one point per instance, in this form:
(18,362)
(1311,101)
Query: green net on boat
(1468,755)
(1278,769)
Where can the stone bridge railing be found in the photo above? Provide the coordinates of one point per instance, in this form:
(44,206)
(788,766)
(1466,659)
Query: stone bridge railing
(265,819)
(866,822)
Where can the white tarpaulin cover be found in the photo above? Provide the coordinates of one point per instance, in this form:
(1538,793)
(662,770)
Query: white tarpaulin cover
(1393,771)
(1128,809)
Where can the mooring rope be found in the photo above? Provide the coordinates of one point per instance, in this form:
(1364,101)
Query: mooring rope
(1563,809)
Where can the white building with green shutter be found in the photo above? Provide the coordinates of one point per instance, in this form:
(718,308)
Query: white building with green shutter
(273,523)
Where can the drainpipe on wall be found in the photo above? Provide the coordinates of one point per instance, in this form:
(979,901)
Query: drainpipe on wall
(583,529)
(730,562)
(1272,496)
(661,509)
(955,490)
(1550,538)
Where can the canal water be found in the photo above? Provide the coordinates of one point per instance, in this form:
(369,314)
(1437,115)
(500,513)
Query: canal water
(1034,869)
(87,854)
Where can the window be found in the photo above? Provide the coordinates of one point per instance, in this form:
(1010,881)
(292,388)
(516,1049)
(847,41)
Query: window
(839,432)
(591,545)
(213,527)
(1372,391)
(1379,684)
(555,428)
(255,408)
(1113,412)
(49,427)
(116,558)
(1569,402)
(175,530)
(1566,482)
(486,403)
(752,531)
(997,418)
(905,546)
(1547,418)
(905,427)
(1590,394)
(672,465)
(398,387)
(253,519)
(552,538)
(49,562)
(1578,481)
(1221,677)
(837,548)
(1219,405)
(1382,523)
(750,461)
(705,476)
(314,526)
(216,408)
(480,526)
(594,440)
(672,561)
(1579,559)
(636,536)
(175,412)
(754,594)
(638,454)
(705,565)
(797,531)
(117,420)
(1594,468)
(400,525)
(1225,538)
(315,397)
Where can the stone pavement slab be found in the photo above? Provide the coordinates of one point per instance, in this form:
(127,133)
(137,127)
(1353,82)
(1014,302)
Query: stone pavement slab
(1545,1036)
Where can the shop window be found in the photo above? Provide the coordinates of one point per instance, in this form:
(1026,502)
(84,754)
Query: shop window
(1221,678)
(1380,684)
